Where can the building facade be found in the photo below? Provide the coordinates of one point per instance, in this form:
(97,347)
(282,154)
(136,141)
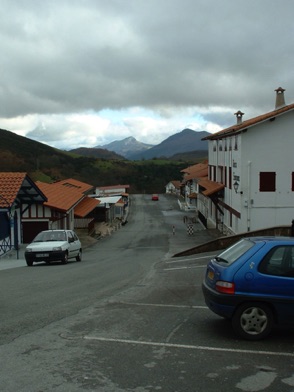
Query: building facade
(254,162)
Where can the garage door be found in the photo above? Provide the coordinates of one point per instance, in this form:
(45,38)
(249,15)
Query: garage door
(31,229)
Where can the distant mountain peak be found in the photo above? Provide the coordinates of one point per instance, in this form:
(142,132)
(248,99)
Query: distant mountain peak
(185,141)
(127,146)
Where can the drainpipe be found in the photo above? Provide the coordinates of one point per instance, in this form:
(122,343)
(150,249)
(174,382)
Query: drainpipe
(249,195)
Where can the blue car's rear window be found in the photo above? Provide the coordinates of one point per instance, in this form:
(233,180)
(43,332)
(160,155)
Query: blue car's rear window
(234,252)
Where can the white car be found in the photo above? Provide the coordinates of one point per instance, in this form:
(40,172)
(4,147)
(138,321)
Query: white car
(54,245)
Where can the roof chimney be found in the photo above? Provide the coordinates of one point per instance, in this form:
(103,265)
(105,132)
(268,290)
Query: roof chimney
(280,99)
(239,116)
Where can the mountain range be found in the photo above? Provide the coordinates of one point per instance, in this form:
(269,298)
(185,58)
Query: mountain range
(48,164)
(185,141)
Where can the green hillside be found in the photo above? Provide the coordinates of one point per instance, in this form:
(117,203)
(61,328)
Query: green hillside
(47,164)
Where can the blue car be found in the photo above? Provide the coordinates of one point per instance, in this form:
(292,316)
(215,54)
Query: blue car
(252,283)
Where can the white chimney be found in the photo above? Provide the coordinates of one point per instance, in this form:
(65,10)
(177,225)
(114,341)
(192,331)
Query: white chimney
(239,116)
(280,99)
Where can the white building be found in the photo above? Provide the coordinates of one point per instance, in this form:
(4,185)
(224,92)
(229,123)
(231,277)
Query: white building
(173,187)
(253,162)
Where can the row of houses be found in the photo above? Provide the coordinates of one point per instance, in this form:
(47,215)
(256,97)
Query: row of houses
(28,207)
(248,181)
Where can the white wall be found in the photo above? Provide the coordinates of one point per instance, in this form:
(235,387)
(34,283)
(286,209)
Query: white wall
(265,147)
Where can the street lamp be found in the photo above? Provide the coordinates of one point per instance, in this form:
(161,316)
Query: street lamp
(236,186)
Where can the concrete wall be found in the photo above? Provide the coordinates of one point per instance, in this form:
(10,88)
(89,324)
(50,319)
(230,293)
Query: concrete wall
(224,242)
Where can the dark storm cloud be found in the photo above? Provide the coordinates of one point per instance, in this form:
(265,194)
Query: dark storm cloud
(70,56)
(65,56)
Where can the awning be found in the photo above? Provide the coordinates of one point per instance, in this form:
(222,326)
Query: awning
(193,195)
(211,187)
(108,200)
(85,207)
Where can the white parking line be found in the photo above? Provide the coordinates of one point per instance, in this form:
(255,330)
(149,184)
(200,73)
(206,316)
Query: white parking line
(175,260)
(163,305)
(188,346)
(185,267)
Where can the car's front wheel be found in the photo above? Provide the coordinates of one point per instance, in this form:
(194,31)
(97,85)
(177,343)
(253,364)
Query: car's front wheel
(65,258)
(79,256)
(253,321)
(29,263)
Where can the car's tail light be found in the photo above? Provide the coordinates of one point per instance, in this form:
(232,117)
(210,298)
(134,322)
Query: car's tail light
(225,287)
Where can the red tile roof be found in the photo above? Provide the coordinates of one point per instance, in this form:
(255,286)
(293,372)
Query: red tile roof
(10,184)
(250,123)
(18,185)
(195,171)
(85,207)
(60,197)
(71,183)
(176,183)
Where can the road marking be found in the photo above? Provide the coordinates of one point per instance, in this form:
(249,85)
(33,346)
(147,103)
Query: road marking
(174,260)
(188,346)
(185,267)
(163,305)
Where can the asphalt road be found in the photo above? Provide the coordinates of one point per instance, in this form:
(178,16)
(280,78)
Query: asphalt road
(130,317)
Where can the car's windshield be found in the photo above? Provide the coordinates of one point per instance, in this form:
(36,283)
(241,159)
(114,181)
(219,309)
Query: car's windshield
(45,236)
(234,252)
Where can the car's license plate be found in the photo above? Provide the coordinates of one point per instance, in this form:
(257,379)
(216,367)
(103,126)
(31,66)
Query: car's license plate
(210,275)
(42,255)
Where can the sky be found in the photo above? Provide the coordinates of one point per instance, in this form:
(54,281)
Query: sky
(84,73)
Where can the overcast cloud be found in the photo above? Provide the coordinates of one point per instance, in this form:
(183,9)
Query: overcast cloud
(86,72)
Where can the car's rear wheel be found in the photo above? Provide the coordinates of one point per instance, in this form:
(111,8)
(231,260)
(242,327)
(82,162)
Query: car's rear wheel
(79,256)
(65,258)
(253,321)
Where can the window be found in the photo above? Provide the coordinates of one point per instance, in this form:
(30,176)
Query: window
(70,236)
(279,261)
(230,144)
(236,143)
(230,178)
(220,177)
(267,181)
(234,252)
(210,172)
